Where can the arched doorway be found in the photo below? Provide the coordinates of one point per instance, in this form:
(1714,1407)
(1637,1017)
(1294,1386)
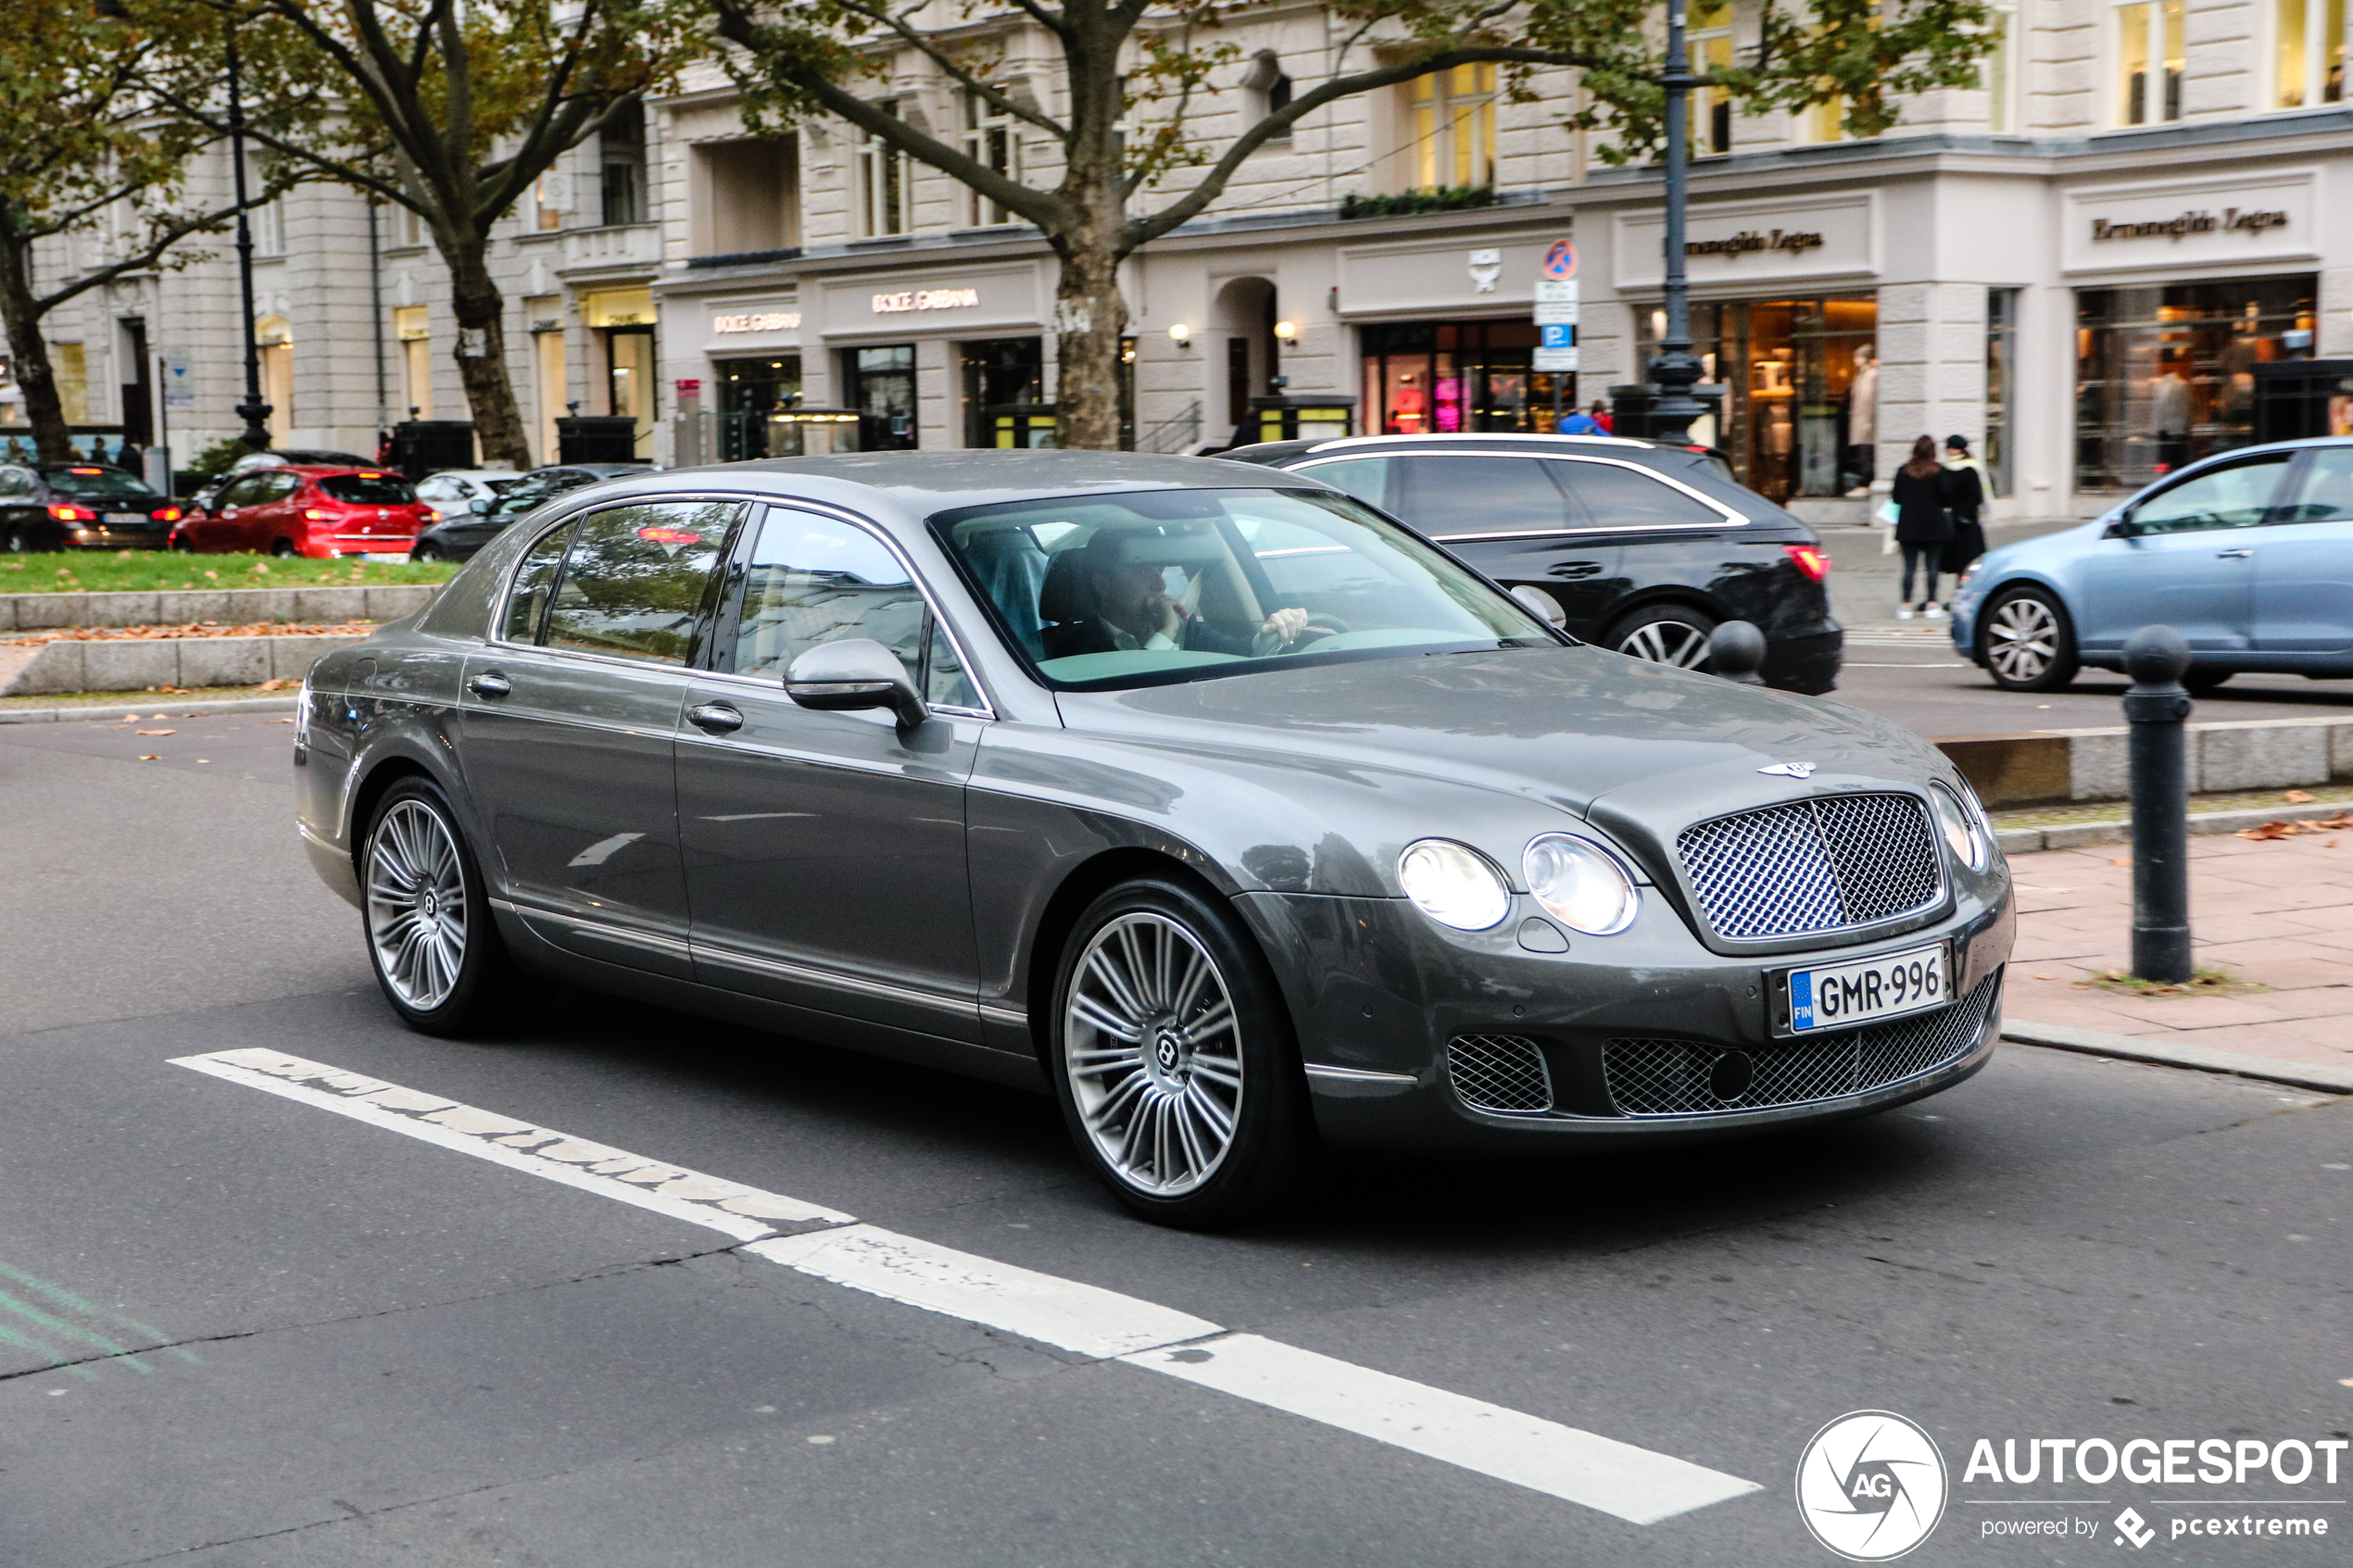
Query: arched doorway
(1243,321)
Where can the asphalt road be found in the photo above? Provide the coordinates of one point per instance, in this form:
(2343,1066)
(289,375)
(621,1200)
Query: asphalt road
(358,1348)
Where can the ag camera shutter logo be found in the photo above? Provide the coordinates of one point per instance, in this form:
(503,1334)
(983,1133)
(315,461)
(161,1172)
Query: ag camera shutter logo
(1871,1486)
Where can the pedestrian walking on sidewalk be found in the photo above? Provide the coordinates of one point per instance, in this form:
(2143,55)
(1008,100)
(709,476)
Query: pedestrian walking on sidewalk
(1964,482)
(1922,526)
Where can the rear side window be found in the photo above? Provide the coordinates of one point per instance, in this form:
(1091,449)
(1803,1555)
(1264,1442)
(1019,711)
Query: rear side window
(1458,496)
(527,601)
(2323,490)
(812,580)
(1365,478)
(1612,497)
(634,581)
(368,489)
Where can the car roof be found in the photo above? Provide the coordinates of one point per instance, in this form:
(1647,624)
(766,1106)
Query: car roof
(942,481)
(1534,438)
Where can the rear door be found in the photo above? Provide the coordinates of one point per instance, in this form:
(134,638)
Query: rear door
(568,720)
(2304,559)
(825,852)
(2188,562)
(268,517)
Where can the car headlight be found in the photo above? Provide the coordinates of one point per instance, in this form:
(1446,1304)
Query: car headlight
(1580,885)
(1964,830)
(1453,884)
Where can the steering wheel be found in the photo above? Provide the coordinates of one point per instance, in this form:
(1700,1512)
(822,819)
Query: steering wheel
(1317,630)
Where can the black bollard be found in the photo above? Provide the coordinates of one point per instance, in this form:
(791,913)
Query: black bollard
(1736,651)
(2156,656)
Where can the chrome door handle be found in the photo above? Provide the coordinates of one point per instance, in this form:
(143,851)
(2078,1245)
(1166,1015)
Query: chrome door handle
(2233,555)
(1575,569)
(716,717)
(490,683)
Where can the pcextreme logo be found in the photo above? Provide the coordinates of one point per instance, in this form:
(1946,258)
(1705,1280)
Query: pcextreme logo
(1871,1486)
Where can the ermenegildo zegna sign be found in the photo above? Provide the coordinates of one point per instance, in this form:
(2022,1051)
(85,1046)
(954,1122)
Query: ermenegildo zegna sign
(2187,223)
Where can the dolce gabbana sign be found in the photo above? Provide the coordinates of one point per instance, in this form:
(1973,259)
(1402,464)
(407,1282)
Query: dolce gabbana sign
(2188,223)
(926,300)
(757,321)
(2225,220)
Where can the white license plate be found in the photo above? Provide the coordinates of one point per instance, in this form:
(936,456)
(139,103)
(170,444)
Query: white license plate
(139,518)
(1842,995)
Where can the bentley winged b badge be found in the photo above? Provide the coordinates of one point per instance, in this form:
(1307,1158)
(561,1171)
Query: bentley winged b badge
(1790,770)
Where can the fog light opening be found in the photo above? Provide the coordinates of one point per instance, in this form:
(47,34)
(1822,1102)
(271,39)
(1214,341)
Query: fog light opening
(1731,1075)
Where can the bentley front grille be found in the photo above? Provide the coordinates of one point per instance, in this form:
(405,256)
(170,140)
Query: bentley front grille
(1679,1077)
(1815,865)
(1499,1072)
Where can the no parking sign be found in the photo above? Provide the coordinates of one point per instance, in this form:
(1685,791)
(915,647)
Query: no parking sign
(1560,261)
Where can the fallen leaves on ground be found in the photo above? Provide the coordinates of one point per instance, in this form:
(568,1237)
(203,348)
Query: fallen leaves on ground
(197,629)
(2299,797)
(275,685)
(2202,983)
(2267,832)
(150,756)
(158,731)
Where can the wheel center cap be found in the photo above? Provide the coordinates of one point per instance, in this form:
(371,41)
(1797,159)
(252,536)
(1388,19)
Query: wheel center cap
(1169,1050)
(429,904)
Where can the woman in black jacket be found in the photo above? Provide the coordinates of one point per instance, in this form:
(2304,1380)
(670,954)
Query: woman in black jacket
(1965,499)
(1922,527)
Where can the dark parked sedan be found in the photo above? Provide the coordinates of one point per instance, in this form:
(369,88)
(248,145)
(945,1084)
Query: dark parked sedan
(81,506)
(1201,794)
(1646,547)
(459,537)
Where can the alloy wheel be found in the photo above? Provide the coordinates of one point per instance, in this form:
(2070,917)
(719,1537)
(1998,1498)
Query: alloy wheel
(2023,642)
(1678,643)
(417,915)
(1154,1053)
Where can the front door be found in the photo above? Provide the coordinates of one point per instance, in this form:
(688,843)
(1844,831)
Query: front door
(825,852)
(2188,561)
(566,727)
(2304,565)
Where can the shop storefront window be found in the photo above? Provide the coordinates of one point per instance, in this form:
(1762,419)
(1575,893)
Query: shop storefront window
(1424,378)
(2001,387)
(881,383)
(749,390)
(1006,394)
(1801,380)
(2165,374)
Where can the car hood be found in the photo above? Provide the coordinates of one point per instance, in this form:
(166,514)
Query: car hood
(1639,749)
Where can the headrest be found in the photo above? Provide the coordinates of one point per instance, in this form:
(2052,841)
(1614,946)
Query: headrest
(1067,594)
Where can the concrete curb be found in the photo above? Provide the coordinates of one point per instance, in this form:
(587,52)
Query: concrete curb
(133,664)
(2119,830)
(232,607)
(2054,767)
(153,702)
(2168,1053)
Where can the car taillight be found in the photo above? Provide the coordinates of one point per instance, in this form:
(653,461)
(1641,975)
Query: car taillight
(1810,560)
(73,514)
(169,514)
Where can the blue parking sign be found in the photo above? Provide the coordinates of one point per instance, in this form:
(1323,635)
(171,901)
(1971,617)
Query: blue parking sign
(1558,337)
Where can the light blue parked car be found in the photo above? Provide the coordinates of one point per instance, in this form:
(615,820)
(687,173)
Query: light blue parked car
(2248,554)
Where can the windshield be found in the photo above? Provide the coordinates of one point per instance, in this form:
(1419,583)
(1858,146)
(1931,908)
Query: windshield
(1102,592)
(94,482)
(368,489)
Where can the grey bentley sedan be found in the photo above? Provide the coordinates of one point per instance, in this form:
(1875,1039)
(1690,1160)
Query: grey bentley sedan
(1239,816)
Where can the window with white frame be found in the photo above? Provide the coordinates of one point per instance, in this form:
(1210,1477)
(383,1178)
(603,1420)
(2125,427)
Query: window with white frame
(2307,54)
(2149,62)
(1711,48)
(886,186)
(992,139)
(1450,117)
(2001,71)
(266,220)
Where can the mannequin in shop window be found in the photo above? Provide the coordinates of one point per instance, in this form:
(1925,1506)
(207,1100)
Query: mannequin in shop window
(2170,414)
(1408,407)
(1862,420)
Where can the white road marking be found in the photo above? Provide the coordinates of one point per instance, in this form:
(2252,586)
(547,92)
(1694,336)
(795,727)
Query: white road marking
(1085,1319)
(1603,1473)
(1580,1467)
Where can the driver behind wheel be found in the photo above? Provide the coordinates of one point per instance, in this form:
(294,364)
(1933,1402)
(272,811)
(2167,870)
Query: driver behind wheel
(1125,605)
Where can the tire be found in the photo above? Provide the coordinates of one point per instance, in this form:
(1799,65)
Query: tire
(182,546)
(424,552)
(2206,680)
(417,867)
(1145,1078)
(2029,641)
(1671,635)
(283,549)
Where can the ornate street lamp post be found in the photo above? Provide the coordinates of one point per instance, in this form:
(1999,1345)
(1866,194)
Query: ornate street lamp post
(1676,368)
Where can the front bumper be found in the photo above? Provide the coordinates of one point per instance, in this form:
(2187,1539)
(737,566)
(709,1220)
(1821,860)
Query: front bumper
(1377,992)
(125,538)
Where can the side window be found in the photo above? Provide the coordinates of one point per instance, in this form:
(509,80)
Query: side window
(1365,478)
(15,482)
(947,683)
(1452,496)
(1623,497)
(279,485)
(2236,496)
(811,579)
(437,489)
(2324,491)
(528,598)
(240,492)
(634,582)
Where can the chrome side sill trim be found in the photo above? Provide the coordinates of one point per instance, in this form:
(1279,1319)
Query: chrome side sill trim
(729,958)
(1361,1076)
(1017,1017)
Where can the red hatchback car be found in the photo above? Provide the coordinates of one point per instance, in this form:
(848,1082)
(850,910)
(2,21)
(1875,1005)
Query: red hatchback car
(309,509)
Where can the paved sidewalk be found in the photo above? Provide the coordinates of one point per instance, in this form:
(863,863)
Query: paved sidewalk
(2277,913)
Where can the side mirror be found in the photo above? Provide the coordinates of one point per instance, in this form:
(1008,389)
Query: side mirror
(479,507)
(2122,528)
(854,673)
(1547,608)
